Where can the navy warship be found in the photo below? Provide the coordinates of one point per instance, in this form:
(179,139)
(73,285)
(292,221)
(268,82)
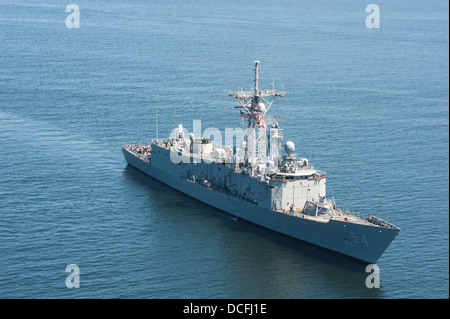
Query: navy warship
(262,180)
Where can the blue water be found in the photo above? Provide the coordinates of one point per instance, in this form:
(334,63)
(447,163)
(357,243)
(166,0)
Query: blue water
(370,106)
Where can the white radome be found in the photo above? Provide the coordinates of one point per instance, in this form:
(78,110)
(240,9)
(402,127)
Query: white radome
(289,147)
(261,107)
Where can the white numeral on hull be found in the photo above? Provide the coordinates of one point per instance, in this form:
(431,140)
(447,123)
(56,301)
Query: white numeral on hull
(359,240)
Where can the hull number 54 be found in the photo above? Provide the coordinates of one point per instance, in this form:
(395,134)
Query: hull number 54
(359,240)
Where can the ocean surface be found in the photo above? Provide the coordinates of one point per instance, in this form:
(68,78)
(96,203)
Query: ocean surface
(370,106)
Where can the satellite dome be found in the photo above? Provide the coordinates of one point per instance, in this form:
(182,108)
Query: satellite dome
(261,107)
(289,147)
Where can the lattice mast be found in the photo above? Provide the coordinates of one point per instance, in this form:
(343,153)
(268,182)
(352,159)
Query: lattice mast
(255,106)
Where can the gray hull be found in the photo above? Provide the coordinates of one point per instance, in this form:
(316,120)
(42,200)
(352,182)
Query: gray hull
(363,242)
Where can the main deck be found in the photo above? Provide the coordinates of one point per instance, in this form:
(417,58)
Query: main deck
(143,152)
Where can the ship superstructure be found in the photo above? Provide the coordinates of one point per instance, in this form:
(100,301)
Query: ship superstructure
(258,182)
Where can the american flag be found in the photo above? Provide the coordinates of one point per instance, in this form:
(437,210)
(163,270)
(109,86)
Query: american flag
(260,121)
(246,115)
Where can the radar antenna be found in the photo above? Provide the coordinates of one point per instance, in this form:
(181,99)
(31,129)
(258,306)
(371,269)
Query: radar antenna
(255,106)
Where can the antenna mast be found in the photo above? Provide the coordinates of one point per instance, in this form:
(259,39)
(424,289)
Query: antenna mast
(255,107)
(256,76)
(157,121)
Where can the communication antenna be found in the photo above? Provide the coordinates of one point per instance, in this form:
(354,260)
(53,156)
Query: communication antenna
(156,120)
(175,116)
(310,154)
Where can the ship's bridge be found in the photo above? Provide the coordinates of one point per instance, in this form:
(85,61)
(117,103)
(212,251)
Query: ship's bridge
(318,208)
